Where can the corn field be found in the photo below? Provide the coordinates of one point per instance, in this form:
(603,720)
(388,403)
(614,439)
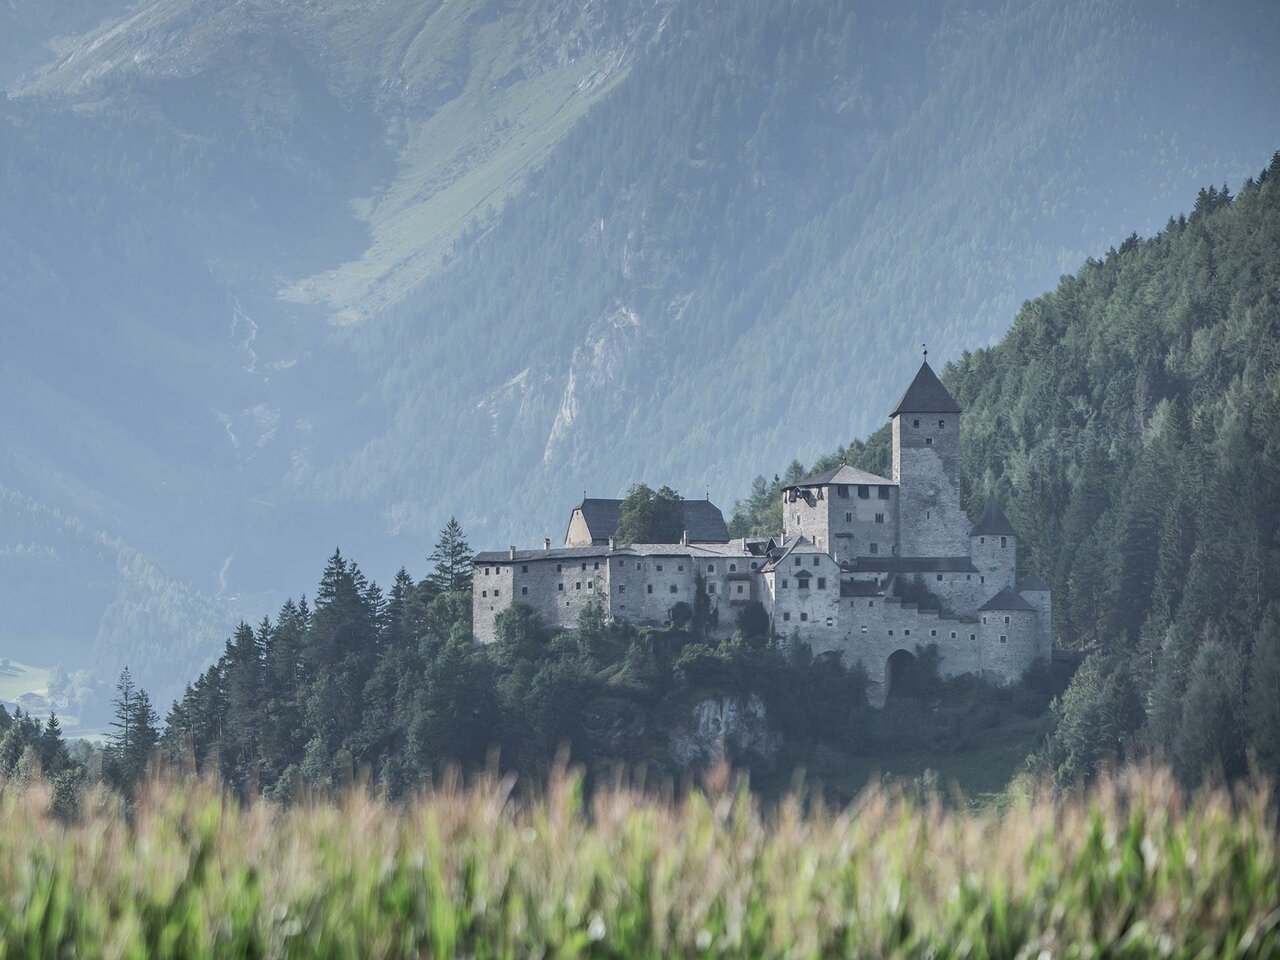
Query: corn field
(1130,869)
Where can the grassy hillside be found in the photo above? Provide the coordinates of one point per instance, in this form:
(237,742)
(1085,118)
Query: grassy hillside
(1129,869)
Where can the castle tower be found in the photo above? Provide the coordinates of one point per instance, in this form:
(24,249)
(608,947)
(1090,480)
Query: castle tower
(993,547)
(926,468)
(1036,592)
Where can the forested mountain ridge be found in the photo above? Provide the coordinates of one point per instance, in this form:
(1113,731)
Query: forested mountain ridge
(276,275)
(1129,422)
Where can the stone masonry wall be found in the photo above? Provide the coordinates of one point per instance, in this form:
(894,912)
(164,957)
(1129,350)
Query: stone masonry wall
(926,466)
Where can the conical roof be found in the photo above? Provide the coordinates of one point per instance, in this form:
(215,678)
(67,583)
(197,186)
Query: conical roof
(1007,599)
(993,522)
(926,395)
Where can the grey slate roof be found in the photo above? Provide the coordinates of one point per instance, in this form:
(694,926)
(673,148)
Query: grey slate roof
(926,395)
(1033,584)
(909,565)
(859,588)
(702,519)
(841,474)
(993,522)
(555,553)
(1007,599)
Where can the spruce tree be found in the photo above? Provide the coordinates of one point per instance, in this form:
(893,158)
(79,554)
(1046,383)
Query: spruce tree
(452,560)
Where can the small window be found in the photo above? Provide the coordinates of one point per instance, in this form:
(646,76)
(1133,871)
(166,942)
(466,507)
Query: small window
(817,561)
(577,585)
(559,568)
(560,586)
(584,566)
(822,583)
(524,591)
(739,588)
(879,518)
(639,565)
(883,493)
(733,568)
(589,584)
(711,588)
(1003,638)
(659,568)
(875,549)
(1006,619)
(982,579)
(968,576)
(495,593)
(784,585)
(484,594)
(982,540)
(804,617)
(848,517)
(798,561)
(753,565)
(953,634)
(939,578)
(674,588)
(622,588)
(524,568)
(680,567)
(933,633)
(711,568)
(786,616)
(597,565)
(984,620)
(942,424)
(871,603)
(915,423)
(648,588)
(1004,541)
(891,633)
(973,636)
(843,490)
(928,441)
(864,491)
(906,633)
(830,622)
(864,628)
(486,571)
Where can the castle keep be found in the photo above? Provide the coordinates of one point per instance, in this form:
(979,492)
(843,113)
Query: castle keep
(867,567)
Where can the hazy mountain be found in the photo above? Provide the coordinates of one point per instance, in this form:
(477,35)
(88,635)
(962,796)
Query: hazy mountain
(275,275)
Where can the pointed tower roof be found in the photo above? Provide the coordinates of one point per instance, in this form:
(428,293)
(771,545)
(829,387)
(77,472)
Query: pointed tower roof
(926,395)
(1006,599)
(993,522)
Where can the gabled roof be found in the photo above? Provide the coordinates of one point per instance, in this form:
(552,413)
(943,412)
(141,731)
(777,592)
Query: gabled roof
(841,474)
(909,565)
(1007,599)
(1033,584)
(993,522)
(926,395)
(702,519)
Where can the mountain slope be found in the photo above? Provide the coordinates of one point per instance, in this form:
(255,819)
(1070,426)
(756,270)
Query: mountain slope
(279,275)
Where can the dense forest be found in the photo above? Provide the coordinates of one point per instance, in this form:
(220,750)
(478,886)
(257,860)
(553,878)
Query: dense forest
(1130,424)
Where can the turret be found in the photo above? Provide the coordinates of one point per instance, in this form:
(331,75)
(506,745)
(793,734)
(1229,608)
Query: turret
(926,468)
(1009,636)
(1036,592)
(993,547)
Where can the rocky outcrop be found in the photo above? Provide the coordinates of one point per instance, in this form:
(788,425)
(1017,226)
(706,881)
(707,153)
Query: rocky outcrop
(721,728)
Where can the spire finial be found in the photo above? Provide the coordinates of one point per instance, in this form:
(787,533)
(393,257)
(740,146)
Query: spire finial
(925,348)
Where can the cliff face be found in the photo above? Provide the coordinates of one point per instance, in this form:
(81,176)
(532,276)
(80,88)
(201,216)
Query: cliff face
(724,728)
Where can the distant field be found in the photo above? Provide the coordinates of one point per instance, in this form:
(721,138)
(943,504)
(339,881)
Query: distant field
(18,678)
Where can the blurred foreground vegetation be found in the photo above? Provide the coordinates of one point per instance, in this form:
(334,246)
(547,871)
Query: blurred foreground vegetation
(1133,868)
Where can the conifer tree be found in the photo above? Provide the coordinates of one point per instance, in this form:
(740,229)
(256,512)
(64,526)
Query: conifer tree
(452,560)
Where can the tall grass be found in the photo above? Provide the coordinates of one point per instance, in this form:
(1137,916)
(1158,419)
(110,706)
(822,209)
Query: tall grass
(1132,869)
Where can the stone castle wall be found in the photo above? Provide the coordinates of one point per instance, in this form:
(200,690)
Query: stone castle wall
(926,467)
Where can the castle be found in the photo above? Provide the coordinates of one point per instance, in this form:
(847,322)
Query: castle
(868,568)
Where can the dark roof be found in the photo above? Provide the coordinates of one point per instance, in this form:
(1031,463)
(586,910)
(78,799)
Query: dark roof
(926,395)
(841,474)
(1007,599)
(909,565)
(555,553)
(860,588)
(1032,584)
(993,522)
(702,519)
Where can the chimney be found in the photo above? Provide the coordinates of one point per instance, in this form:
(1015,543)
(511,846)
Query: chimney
(613,543)
(511,551)
(546,543)
(684,539)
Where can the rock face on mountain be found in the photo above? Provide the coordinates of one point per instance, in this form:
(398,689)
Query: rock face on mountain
(276,275)
(721,728)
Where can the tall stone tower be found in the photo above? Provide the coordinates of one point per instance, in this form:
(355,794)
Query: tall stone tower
(926,468)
